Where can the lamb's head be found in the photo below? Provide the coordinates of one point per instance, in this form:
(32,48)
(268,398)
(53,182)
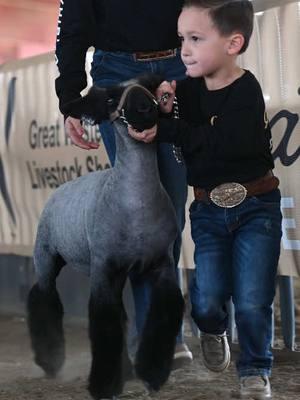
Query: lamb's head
(137,107)
(132,101)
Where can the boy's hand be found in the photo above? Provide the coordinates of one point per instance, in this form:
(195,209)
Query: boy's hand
(75,130)
(146,136)
(166,103)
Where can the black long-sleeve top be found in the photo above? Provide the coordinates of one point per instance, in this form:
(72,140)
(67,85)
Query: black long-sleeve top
(234,146)
(110,25)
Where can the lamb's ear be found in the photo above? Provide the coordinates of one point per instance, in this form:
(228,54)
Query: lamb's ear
(93,107)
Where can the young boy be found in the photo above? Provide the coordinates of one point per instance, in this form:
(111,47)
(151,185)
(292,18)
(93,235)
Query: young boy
(225,139)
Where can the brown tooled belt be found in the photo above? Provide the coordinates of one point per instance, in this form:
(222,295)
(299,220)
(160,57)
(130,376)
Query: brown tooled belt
(154,55)
(232,194)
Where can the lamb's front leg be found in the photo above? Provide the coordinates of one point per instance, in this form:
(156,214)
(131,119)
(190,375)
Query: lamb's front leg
(156,350)
(107,319)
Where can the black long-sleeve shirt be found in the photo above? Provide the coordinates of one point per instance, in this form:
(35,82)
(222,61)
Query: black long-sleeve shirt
(234,146)
(110,25)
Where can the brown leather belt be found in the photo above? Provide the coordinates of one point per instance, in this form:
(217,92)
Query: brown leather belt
(231,194)
(154,55)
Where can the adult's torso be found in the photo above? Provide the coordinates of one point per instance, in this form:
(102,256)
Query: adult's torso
(136,25)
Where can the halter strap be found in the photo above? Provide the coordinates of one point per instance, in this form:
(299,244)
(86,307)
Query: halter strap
(119,112)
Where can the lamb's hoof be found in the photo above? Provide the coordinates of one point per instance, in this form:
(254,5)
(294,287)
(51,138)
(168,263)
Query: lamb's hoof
(51,374)
(51,365)
(149,390)
(109,398)
(100,394)
(51,371)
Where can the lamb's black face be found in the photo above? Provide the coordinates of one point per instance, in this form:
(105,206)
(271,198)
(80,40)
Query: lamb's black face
(139,107)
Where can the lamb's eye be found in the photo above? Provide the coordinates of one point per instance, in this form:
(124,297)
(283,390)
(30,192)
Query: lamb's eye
(110,102)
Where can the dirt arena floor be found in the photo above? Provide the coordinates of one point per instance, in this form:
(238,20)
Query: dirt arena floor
(20,379)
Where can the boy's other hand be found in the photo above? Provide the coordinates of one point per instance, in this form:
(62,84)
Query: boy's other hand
(146,136)
(166,103)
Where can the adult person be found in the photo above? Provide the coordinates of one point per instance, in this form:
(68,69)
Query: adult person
(235,218)
(130,38)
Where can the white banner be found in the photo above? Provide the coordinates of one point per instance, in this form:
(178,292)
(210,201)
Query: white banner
(274,57)
(36,156)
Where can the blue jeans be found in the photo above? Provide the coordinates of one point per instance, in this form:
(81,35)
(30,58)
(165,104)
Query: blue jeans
(110,68)
(236,255)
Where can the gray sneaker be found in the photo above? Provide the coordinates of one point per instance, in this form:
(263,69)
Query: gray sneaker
(215,351)
(182,356)
(255,387)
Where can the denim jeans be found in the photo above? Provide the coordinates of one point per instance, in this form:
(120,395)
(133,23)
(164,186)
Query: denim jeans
(110,68)
(236,255)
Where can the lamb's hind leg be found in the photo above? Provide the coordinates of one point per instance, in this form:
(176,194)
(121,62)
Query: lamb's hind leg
(156,350)
(45,315)
(107,319)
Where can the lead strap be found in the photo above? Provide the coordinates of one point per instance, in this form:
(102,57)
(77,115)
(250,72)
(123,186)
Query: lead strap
(177,149)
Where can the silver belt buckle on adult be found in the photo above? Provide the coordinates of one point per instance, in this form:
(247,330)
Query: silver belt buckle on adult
(228,195)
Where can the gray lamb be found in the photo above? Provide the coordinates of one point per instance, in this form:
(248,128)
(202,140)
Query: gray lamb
(107,224)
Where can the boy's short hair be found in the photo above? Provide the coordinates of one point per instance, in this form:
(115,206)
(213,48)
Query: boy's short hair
(228,16)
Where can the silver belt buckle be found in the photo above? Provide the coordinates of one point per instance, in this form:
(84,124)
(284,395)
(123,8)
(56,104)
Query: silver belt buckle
(228,195)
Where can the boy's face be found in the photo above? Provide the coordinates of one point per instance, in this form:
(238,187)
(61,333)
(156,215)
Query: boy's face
(204,50)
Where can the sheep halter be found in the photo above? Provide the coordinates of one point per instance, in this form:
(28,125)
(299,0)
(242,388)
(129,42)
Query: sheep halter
(120,113)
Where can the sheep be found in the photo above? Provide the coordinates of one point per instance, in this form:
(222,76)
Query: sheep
(107,224)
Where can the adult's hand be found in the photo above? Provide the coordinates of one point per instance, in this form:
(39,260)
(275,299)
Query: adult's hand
(146,136)
(75,131)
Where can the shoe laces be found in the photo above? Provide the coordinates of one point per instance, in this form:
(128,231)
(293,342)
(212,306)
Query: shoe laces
(253,380)
(216,338)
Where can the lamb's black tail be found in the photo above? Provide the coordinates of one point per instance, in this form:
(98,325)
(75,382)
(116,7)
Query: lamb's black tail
(45,322)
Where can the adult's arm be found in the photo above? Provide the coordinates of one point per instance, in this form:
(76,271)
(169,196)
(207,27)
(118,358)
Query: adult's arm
(75,35)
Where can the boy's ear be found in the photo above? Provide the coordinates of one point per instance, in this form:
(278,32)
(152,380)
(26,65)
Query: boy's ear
(235,43)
